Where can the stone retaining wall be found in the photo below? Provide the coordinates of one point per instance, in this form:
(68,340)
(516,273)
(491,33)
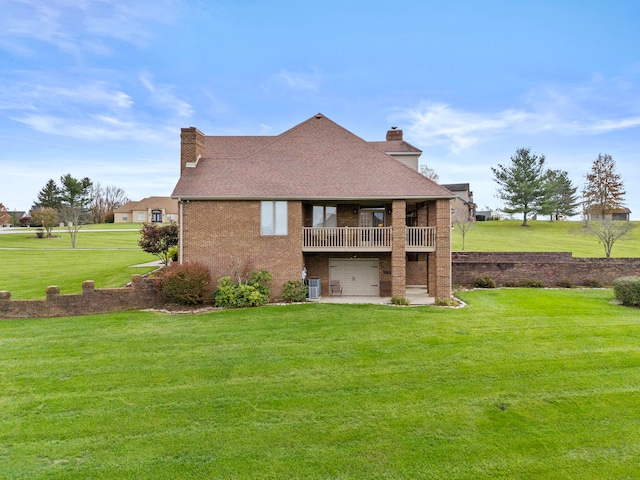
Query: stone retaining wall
(551,268)
(142,293)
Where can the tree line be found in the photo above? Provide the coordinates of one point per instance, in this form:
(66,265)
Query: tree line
(528,187)
(74,202)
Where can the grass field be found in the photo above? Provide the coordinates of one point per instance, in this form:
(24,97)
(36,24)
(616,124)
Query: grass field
(541,236)
(527,384)
(30,264)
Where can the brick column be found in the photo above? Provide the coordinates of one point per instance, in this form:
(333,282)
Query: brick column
(440,267)
(399,249)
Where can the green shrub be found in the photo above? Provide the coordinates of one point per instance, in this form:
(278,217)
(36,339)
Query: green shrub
(530,283)
(592,283)
(484,282)
(252,294)
(172,254)
(261,280)
(446,302)
(225,294)
(294,291)
(186,284)
(510,283)
(400,301)
(564,283)
(627,290)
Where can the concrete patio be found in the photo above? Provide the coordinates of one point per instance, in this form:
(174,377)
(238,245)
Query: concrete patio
(417,295)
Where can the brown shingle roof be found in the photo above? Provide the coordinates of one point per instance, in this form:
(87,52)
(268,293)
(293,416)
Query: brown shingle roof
(395,146)
(317,159)
(169,204)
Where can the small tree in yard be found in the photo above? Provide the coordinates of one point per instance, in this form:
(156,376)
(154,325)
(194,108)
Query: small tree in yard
(74,198)
(463,226)
(522,184)
(608,232)
(159,239)
(45,217)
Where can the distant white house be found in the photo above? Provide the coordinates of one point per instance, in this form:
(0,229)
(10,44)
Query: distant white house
(148,210)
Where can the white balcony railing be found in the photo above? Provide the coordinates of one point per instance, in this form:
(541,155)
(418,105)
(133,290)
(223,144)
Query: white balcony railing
(421,239)
(372,239)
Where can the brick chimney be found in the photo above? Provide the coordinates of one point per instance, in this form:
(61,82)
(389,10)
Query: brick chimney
(191,146)
(394,134)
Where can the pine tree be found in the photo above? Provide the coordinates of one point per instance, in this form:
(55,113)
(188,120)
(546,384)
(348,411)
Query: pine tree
(561,197)
(48,197)
(523,183)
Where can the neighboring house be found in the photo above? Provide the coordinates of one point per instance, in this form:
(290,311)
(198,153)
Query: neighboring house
(316,197)
(615,214)
(149,210)
(484,215)
(462,208)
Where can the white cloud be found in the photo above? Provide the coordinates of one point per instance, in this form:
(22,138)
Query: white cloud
(79,26)
(162,95)
(95,127)
(297,81)
(595,108)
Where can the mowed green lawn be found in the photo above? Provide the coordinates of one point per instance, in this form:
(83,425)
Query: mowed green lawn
(526,384)
(30,264)
(541,236)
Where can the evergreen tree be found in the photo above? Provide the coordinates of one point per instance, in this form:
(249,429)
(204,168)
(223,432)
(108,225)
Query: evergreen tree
(48,197)
(561,198)
(522,185)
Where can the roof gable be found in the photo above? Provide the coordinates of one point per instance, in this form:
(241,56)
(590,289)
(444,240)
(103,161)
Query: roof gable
(316,159)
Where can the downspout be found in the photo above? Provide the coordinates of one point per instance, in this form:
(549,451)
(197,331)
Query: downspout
(181,234)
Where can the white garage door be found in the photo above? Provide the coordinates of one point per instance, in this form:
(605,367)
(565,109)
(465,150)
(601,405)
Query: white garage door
(357,276)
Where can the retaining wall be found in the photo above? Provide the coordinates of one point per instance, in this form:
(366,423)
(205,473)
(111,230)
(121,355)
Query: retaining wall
(548,267)
(142,293)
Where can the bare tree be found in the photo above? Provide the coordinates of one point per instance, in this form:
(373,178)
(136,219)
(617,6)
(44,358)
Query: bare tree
(429,173)
(604,190)
(463,226)
(608,232)
(105,200)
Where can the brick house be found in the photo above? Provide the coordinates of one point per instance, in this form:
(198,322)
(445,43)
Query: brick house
(463,209)
(150,209)
(316,197)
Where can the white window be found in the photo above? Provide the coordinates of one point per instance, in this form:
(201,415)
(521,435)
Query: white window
(273,218)
(125,217)
(142,216)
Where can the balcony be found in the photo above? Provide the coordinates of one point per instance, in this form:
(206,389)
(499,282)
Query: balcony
(365,239)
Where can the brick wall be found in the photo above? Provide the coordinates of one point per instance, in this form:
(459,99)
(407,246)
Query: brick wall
(222,233)
(548,267)
(141,294)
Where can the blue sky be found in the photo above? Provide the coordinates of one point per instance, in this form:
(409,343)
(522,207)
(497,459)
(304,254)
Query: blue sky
(101,88)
